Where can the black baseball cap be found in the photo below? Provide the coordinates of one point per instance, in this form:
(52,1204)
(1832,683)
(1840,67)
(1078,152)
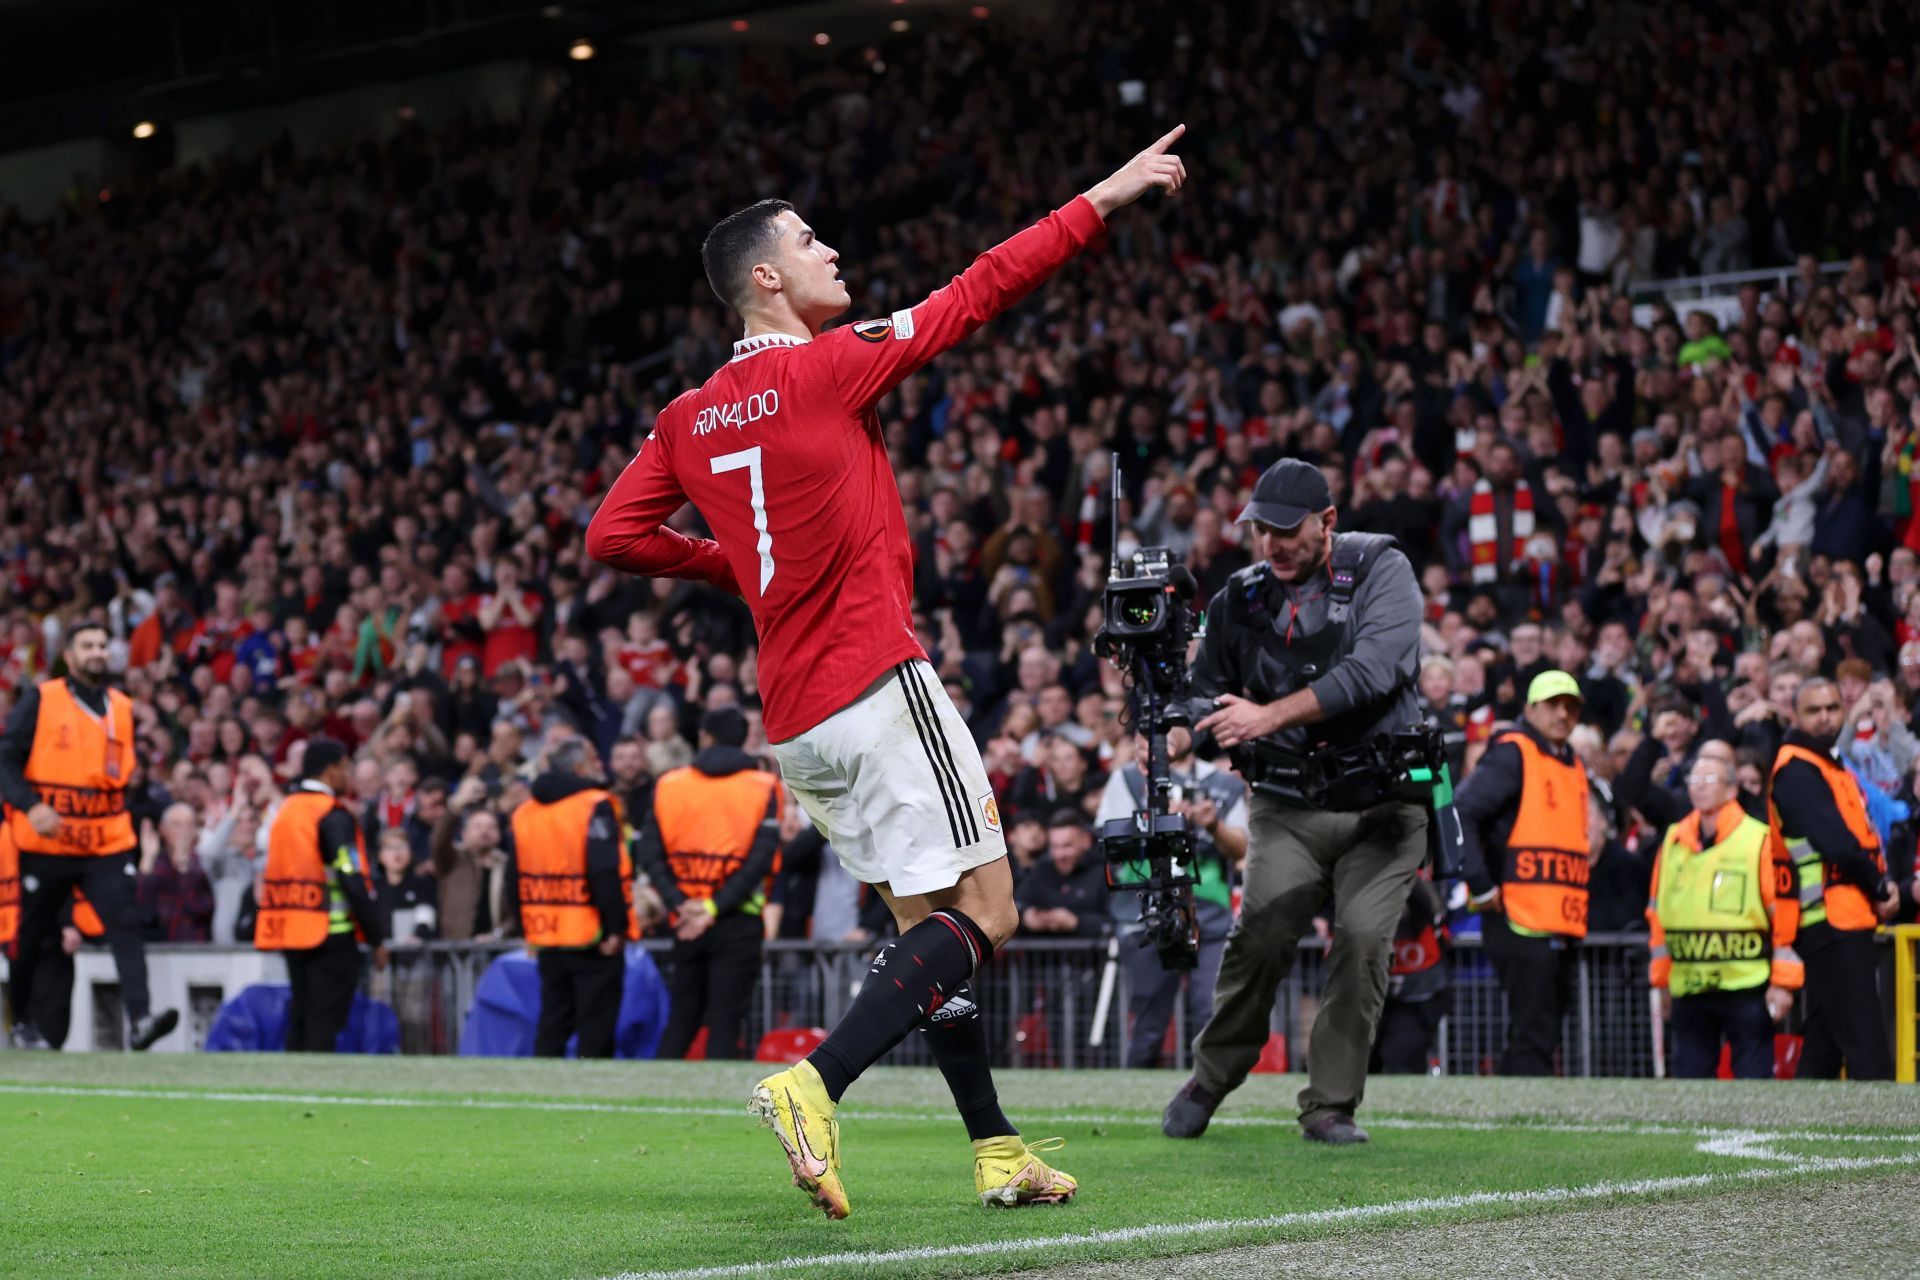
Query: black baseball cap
(1288,492)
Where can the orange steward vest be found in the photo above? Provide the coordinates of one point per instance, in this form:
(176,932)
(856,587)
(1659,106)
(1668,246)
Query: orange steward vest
(80,764)
(550,859)
(708,826)
(9,885)
(1806,890)
(301,902)
(1544,872)
(85,918)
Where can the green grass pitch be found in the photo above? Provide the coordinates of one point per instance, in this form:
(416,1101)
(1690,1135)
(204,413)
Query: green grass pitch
(243,1166)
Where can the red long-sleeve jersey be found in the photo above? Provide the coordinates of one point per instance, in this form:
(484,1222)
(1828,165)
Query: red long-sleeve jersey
(782,452)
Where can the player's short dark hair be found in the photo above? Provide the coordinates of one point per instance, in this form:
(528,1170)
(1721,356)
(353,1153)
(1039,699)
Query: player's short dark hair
(736,243)
(89,624)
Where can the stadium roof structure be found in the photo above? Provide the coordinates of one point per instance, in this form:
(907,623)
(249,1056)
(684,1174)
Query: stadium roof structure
(93,67)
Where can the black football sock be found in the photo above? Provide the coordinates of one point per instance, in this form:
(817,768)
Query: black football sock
(957,1034)
(911,977)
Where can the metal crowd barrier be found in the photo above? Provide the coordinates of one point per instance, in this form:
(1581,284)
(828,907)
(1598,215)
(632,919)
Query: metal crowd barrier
(1049,1003)
(1723,283)
(1062,1002)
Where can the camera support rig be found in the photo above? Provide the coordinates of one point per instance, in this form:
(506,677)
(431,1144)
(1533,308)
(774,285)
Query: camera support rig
(1147,629)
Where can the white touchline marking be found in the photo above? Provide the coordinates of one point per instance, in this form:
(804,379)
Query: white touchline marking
(1758,1145)
(1749,1144)
(351,1100)
(1314,1217)
(1033,1119)
(1640,1128)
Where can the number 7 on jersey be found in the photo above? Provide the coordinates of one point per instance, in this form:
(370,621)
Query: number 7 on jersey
(748,460)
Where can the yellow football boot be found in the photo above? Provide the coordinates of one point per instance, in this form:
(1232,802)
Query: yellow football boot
(795,1105)
(1007,1171)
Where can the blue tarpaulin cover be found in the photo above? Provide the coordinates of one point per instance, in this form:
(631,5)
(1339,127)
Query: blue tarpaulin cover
(255,1021)
(506,1009)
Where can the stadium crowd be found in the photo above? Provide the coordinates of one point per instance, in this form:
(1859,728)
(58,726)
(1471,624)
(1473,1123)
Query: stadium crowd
(318,431)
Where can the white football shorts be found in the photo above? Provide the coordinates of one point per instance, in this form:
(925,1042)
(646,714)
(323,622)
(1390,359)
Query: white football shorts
(894,783)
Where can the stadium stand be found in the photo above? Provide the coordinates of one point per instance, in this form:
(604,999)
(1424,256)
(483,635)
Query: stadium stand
(318,431)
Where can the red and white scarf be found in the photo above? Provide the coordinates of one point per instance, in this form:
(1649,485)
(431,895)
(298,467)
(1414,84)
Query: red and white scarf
(1483,530)
(1089,514)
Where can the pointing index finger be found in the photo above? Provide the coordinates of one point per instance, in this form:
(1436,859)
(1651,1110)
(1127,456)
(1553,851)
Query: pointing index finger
(1172,136)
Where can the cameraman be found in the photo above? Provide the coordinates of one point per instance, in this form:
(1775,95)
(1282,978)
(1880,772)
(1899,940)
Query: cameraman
(1311,650)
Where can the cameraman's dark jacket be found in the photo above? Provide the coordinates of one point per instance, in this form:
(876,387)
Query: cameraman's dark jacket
(1265,639)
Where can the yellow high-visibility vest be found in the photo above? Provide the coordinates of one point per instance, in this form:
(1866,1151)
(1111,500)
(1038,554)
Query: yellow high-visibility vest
(1716,932)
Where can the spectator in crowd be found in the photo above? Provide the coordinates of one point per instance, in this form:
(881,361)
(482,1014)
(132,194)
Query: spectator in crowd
(404,899)
(167,628)
(1442,704)
(1066,892)
(471,868)
(820,898)
(429,806)
(231,849)
(390,808)
(666,749)
(1026,841)
(789,912)
(174,894)
(1618,877)
(628,779)
(1879,748)
(366,781)
(470,707)
(1675,726)
(291,514)
(1064,779)
(509,617)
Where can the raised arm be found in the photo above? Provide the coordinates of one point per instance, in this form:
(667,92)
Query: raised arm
(871,358)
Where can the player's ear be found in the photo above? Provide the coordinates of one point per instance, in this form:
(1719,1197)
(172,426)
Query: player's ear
(765,276)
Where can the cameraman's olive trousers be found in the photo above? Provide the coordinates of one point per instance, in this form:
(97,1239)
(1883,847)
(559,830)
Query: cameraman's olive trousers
(1295,859)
